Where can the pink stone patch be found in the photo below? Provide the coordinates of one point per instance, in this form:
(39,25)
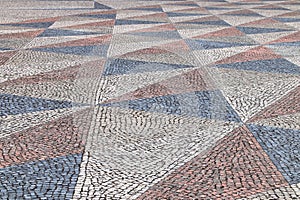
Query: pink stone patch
(57,138)
(4,56)
(227,32)
(261,22)
(178,46)
(194,80)
(29,34)
(258,53)
(289,104)
(295,37)
(69,73)
(160,16)
(235,168)
(205,19)
(146,51)
(160,28)
(104,39)
(290,14)
(109,23)
(51,19)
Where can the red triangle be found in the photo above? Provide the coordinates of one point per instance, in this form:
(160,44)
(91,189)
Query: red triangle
(151,6)
(149,17)
(59,75)
(261,22)
(4,56)
(178,46)
(227,4)
(100,12)
(182,3)
(204,19)
(289,104)
(235,168)
(69,73)
(109,23)
(28,34)
(227,32)
(191,81)
(56,138)
(257,53)
(51,19)
(237,12)
(295,37)
(271,6)
(145,51)
(160,28)
(289,14)
(103,39)
(251,1)
(193,10)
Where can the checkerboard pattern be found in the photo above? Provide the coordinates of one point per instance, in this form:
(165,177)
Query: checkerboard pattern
(150,99)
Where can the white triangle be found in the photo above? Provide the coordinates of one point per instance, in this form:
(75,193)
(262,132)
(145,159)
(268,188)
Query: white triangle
(24,15)
(170,8)
(77,91)
(238,20)
(291,121)
(269,13)
(288,191)
(43,41)
(209,3)
(220,12)
(128,28)
(32,5)
(114,86)
(296,25)
(12,30)
(135,38)
(126,145)
(263,38)
(274,25)
(117,48)
(291,53)
(49,90)
(186,18)
(293,7)
(189,33)
(295,59)
(249,5)
(67,23)
(123,4)
(210,56)
(15,123)
(249,92)
(8,16)
(184,58)
(27,63)
(122,14)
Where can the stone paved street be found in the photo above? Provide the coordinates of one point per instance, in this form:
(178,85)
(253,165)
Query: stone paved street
(150,99)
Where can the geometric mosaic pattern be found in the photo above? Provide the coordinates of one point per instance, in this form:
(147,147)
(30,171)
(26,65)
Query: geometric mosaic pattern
(139,99)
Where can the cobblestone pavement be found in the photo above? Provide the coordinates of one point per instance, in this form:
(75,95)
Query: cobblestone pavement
(150,99)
